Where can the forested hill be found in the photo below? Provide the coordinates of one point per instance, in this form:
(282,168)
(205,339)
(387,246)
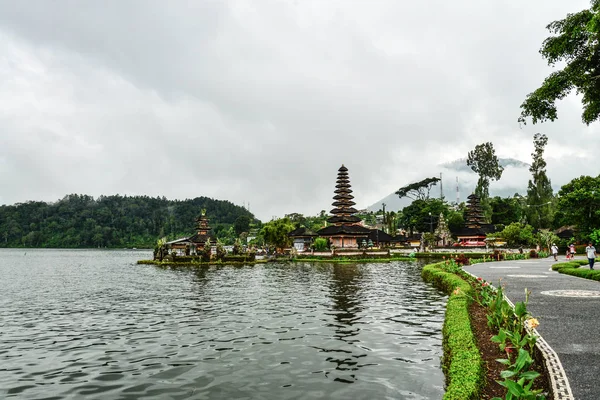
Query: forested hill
(79,221)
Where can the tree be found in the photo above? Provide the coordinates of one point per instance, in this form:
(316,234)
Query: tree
(505,210)
(484,162)
(539,189)
(546,238)
(297,219)
(579,204)
(276,232)
(517,234)
(576,44)
(416,216)
(241,224)
(418,190)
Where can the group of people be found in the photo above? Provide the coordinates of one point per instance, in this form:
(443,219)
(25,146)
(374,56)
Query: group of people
(590,252)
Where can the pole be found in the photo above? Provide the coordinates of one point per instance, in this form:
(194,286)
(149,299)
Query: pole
(430,223)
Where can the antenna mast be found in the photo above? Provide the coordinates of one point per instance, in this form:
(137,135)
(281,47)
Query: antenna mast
(457,192)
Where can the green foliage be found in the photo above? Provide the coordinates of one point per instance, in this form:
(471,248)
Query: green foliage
(415,217)
(573,268)
(220,250)
(242,224)
(545,238)
(579,204)
(206,251)
(455,219)
(574,46)
(80,221)
(517,234)
(506,210)
(484,162)
(462,362)
(418,190)
(237,247)
(539,188)
(512,338)
(320,244)
(275,233)
(595,236)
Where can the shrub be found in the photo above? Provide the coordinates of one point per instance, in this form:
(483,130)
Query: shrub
(461,260)
(239,258)
(320,244)
(462,362)
(533,254)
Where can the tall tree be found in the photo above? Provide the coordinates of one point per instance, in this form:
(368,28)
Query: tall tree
(484,162)
(418,190)
(576,45)
(539,189)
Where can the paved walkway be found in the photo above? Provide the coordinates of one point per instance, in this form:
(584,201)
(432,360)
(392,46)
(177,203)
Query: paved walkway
(570,323)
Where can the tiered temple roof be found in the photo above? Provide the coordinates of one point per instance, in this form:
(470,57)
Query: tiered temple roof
(474,217)
(475,226)
(343,221)
(202,229)
(343,213)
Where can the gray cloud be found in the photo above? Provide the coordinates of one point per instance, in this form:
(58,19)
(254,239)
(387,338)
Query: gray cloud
(261,102)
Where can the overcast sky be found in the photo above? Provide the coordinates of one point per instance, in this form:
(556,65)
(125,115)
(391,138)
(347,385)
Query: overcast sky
(259,102)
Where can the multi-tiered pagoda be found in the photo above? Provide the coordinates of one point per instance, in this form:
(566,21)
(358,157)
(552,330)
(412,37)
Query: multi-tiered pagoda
(474,217)
(475,231)
(345,230)
(202,237)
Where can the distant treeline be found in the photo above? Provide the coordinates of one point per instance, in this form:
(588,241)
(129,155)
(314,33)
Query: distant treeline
(80,221)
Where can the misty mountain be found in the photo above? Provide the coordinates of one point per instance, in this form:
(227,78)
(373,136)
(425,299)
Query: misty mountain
(459,181)
(461,164)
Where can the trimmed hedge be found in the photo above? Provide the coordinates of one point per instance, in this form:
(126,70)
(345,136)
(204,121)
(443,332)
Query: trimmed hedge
(572,268)
(462,364)
(239,258)
(357,258)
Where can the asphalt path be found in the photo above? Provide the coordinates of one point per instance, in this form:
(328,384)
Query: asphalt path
(569,320)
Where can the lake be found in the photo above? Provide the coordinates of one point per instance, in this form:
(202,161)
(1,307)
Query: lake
(93,324)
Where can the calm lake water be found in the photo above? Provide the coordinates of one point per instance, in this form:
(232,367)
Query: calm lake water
(94,325)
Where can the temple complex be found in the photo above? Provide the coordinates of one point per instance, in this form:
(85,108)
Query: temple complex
(345,230)
(196,242)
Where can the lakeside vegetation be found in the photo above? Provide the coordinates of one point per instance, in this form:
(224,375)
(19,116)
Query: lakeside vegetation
(80,221)
(468,375)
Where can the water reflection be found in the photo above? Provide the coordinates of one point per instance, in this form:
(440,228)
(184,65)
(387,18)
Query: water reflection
(101,327)
(345,291)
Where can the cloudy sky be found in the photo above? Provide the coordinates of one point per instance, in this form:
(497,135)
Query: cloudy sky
(259,102)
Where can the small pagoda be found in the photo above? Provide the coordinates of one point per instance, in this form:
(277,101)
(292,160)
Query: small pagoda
(202,237)
(476,229)
(196,242)
(345,230)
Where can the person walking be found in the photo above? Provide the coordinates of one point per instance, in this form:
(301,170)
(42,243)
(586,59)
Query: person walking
(554,249)
(572,250)
(590,250)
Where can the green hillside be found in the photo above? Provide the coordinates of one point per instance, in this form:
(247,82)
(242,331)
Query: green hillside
(80,221)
